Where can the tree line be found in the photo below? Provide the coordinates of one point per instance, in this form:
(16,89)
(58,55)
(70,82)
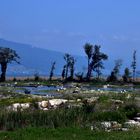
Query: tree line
(95,64)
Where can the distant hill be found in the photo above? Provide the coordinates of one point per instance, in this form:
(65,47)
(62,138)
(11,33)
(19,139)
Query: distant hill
(39,60)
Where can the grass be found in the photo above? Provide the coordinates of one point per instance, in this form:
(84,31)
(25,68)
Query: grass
(65,123)
(67,134)
(83,116)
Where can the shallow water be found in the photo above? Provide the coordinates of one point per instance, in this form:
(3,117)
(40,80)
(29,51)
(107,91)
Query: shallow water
(49,91)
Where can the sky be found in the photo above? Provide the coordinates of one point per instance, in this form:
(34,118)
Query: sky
(66,25)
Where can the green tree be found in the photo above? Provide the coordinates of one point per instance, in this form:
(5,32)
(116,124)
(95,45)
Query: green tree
(96,62)
(68,69)
(115,72)
(112,77)
(127,75)
(117,67)
(133,65)
(88,48)
(98,58)
(7,56)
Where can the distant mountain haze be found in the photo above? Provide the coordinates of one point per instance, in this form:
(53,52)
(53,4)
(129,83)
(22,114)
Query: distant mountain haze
(38,60)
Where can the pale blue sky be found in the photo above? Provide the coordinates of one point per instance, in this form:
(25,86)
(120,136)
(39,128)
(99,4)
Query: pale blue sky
(65,25)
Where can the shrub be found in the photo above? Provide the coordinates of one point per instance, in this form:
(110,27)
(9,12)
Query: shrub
(110,116)
(130,110)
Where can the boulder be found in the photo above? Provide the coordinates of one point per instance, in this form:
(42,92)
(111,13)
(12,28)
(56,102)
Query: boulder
(39,105)
(57,102)
(25,106)
(132,124)
(117,101)
(45,109)
(16,106)
(125,129)
(128,96)
(92,99)
(105,86)
(106,125)
(115,125)
(44,104)
(137,119)
(79,100)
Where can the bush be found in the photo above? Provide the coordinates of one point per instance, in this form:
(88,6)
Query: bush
(36,77)
(130,110)
(110,116)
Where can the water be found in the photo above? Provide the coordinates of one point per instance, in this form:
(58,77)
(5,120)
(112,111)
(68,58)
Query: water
(49,91)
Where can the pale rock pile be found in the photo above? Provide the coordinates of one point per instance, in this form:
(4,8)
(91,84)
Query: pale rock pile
(92,99)
(19,106)
(53,103)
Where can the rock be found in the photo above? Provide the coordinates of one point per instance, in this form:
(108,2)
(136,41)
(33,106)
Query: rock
(16,106)
(76,91)
(71,101)
(19,106)
(137,119)
(90,91)
(39,105)
(128,96)
(105,86)
(91,128)
(138,114)
(57,102)
(106,125)
(131,124)
(45,109)
(92,99)
(115,125)
(25,106)
(79,100)
(44,104)
(125,129)
(15,83)
(117,101)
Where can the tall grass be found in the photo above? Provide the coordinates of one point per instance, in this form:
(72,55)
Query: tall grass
(63,117)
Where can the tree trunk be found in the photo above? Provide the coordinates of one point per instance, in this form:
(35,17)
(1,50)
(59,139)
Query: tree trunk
(66,72)
(3,71)
(72,72)
(89,73)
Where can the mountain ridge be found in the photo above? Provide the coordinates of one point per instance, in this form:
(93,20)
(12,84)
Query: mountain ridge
(38,60)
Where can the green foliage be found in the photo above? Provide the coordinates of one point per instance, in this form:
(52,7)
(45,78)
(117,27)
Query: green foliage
(7,55)
(68,67)
(127,75)
(36,76)
(64,117)
(130,110)
(115,72)
(96,62)
(110,116)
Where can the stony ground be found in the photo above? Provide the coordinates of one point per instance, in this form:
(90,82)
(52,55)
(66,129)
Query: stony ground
(107,110)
